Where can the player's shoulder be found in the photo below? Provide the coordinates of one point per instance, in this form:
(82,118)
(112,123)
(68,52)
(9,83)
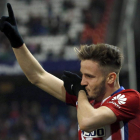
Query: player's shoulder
(130,95)
(130,92)
(127,98)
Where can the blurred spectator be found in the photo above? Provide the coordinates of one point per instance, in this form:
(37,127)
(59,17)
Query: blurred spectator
(54,25)
(95,18)
(94,13)
(49,8)
(35,25)
(70,41)
(68,4)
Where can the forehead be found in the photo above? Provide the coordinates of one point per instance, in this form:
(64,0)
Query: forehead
(90,66)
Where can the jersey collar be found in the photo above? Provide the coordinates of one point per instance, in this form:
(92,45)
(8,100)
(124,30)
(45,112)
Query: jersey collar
(120,89)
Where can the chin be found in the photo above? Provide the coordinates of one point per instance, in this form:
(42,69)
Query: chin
(90,97)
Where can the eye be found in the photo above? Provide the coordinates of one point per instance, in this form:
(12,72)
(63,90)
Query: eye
(89,76)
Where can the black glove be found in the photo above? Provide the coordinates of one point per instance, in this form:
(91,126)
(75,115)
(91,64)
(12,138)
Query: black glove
(72,83)
(9,27)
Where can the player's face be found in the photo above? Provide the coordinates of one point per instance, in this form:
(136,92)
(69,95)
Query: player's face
(93,79)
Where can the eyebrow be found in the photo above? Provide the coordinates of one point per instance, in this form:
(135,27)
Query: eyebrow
(87,74)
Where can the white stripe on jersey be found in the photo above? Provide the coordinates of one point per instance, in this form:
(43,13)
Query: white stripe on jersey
(122,129)
(82,137)
(108,133)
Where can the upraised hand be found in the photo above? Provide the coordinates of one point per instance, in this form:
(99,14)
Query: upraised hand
(9,27)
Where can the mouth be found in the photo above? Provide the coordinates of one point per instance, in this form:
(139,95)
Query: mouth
(87,90)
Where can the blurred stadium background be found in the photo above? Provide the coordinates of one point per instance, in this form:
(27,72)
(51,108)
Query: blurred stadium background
(51,29)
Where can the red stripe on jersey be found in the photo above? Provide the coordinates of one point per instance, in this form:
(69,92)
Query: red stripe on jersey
(116,133)
(71,99)
(79,134)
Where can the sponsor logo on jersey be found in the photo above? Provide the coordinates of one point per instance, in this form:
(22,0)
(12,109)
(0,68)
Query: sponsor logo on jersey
(95,134)
(118,100)
(121,99)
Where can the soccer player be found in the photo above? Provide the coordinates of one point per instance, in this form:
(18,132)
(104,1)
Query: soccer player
(105,110)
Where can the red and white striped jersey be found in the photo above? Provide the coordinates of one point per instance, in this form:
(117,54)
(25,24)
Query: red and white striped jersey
(126,106)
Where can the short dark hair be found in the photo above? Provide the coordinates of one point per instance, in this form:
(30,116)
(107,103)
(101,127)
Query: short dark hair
(106,55)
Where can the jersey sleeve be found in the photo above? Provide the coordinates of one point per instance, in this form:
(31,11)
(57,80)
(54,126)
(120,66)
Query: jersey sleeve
(124,104)
(71,99)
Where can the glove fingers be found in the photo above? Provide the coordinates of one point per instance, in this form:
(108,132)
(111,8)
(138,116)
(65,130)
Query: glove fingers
(4,18)
(6,27)
(73,76)
(67,84)
(2,22)
(65,78)
(11,13)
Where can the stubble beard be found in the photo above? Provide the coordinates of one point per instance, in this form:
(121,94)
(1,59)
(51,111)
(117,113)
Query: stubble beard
(98,92)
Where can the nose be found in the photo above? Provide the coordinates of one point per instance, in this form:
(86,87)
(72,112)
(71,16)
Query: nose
(83,82)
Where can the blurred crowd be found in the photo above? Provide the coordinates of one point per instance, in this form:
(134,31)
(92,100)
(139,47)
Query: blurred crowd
(94,19)
(28,120)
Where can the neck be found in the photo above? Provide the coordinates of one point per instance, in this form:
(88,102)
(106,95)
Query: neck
(108,92)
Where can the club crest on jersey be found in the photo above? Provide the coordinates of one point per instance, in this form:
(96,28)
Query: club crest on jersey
(118,100)
(95,134)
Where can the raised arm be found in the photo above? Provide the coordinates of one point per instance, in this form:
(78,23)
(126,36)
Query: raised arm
(37,75)
(30,66)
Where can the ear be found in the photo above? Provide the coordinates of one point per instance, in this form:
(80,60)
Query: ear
(111,78)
